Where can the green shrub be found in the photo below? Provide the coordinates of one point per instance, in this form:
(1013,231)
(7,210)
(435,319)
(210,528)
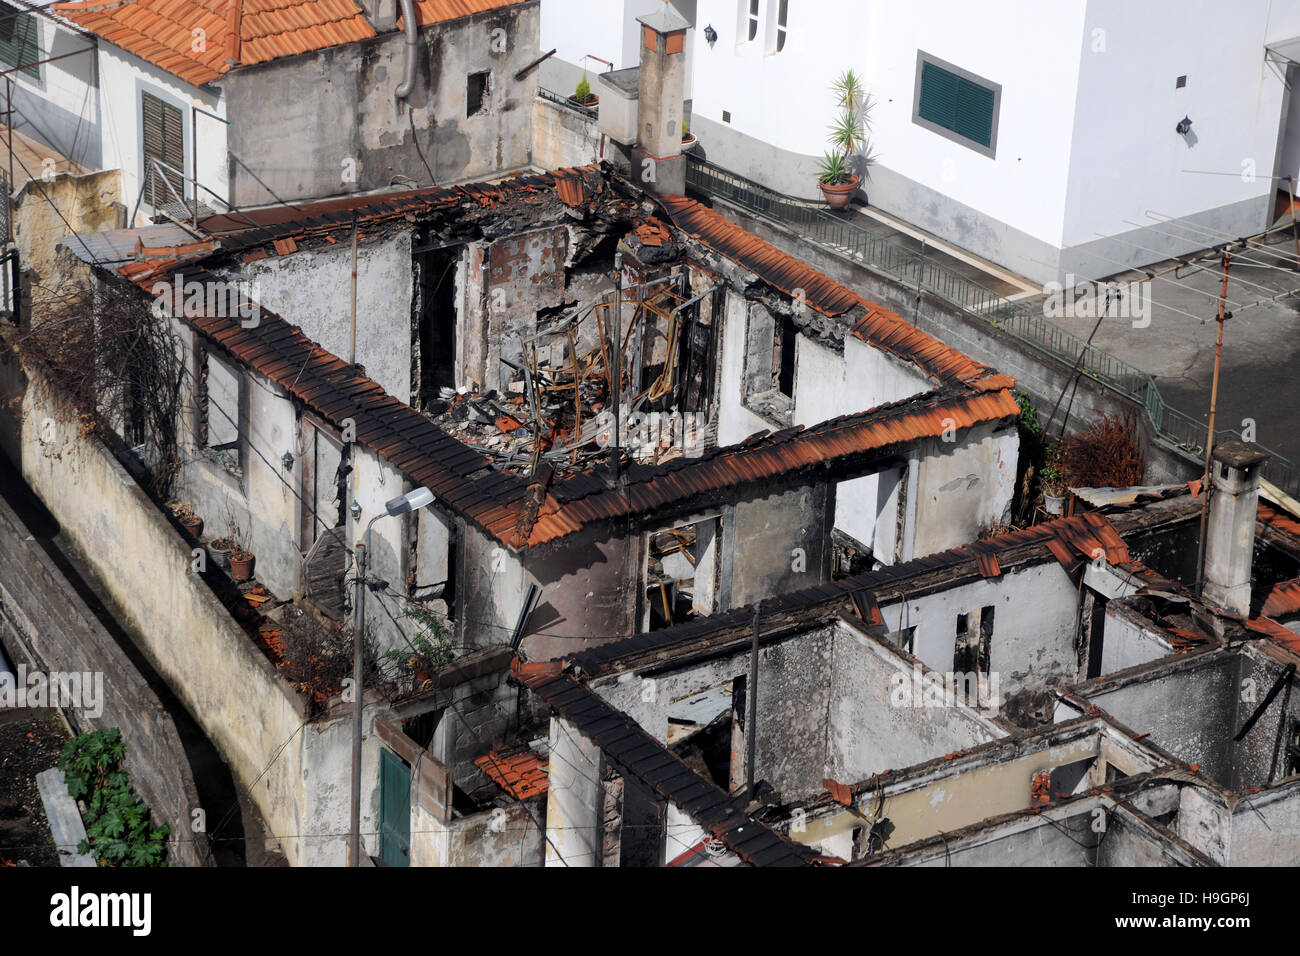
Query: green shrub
(583,92)
(118,830)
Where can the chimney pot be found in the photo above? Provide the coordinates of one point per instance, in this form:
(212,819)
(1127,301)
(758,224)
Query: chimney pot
(1230,532)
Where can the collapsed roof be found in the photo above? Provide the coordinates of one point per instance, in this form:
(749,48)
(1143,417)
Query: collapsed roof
(595,204)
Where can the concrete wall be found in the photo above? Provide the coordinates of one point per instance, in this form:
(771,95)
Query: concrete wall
(60,633)
(964,486)
(1234,99)
(775,544)
(1033,631)
(795,701)
(294,772)
(1129,640)
(1266,828)
(262,502)
(562,137)
(1192,711)
(872,728)
(313,290)
(90,203)
(358,136)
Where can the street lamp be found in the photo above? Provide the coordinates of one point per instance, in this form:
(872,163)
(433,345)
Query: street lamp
(411,501)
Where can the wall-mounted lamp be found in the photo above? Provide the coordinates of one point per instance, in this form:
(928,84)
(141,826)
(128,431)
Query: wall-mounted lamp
(1184,127)
(355,509)
(710,35)
(287,460)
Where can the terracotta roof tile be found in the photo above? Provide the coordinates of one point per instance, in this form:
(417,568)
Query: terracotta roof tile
(879,327)
(161,31)
(394,430)
(518,771)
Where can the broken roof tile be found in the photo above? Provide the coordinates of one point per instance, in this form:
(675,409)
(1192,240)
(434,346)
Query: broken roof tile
(517,770)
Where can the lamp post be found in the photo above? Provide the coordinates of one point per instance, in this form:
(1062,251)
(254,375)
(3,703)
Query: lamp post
(411,501)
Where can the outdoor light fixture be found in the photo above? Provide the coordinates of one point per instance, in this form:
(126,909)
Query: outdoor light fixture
(287,460)
(1184,127)
(710,35)
(411,501)
(355,510)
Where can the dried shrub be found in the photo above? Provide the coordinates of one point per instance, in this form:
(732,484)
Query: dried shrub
(1107,455)
(114,364)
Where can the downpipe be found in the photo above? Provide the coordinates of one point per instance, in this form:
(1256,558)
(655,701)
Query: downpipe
(412,41)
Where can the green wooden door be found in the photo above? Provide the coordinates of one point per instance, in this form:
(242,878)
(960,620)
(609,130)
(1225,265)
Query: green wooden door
(394,810)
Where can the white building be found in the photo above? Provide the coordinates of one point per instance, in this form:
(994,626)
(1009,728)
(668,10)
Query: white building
(51,84)
(1041,136)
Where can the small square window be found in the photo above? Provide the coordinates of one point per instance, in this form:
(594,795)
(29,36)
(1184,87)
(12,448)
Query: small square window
(476,93)
(726,116)
(1180,82)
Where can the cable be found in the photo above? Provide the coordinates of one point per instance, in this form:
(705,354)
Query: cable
(1236,256)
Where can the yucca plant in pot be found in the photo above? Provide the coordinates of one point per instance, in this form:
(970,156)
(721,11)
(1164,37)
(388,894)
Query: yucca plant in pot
(850,147)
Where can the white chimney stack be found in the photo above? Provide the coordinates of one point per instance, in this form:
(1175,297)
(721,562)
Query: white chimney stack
(1230,533)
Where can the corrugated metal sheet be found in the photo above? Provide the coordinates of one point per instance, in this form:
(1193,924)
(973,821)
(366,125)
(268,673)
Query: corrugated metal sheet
(634,751)
(116,246)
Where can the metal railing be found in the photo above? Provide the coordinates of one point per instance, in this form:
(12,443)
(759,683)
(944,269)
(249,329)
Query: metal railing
(911,270)
(562,100)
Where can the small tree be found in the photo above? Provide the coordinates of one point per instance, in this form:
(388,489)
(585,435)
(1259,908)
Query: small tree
(583,92)
(848,137)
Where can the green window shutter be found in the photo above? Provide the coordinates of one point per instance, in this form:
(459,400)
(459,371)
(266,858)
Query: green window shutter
(974,112)
(394,809)
(938,96)
(956,104)
(19,40)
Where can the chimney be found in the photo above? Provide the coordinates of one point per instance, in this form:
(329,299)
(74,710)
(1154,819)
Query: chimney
(657,161)
(1230,534)
(382,14)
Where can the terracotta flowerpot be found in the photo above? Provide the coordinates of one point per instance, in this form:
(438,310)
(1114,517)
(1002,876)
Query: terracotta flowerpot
(591,102)
(241,565)
(839,197)
(193,526)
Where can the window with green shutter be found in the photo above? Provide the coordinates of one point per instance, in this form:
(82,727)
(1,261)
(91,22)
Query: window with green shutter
(20,40)
(956,104)
(163,127)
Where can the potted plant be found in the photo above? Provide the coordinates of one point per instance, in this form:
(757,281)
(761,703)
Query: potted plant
(221,548)
(688,138)
(583,95)
(1052,480)
(241,559)
(849,143)
(190,522)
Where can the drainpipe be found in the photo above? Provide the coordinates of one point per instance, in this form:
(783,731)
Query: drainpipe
(412,41)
